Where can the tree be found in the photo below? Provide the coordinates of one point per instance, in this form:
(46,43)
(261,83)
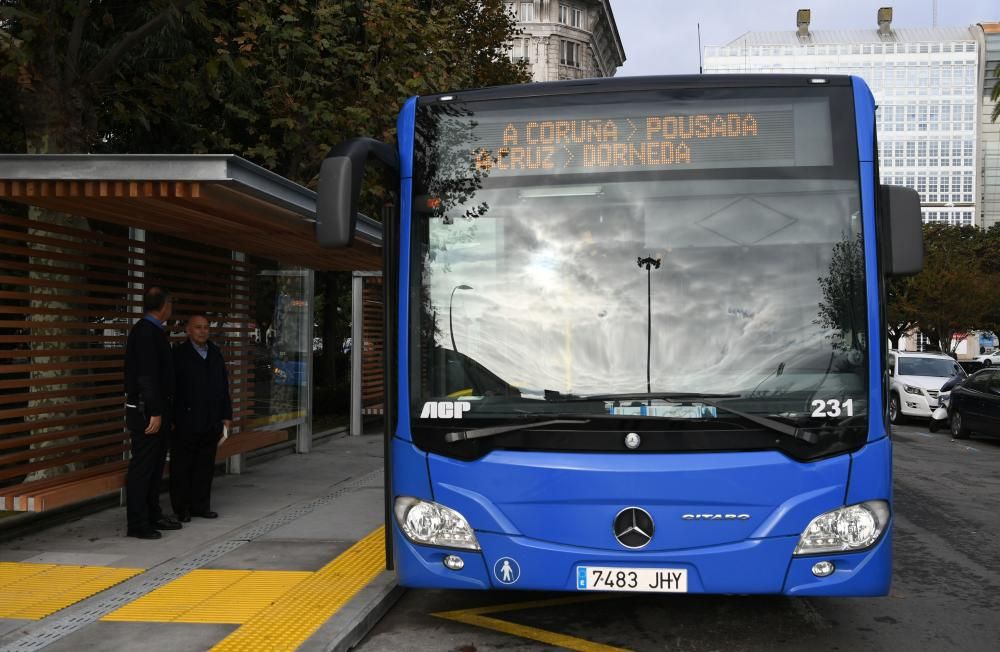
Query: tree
(841,309)
(988,258)
(952,292)
(901,315)
(276,81)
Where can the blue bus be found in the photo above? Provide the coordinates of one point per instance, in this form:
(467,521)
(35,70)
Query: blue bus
(636,334)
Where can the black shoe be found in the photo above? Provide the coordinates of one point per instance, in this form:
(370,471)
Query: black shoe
(208,514)
(166,523)
(148,533)
(184,517)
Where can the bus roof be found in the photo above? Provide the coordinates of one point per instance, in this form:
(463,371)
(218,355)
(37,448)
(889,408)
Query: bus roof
(620,84)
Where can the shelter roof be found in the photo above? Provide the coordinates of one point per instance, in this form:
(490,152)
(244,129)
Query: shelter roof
(217,199)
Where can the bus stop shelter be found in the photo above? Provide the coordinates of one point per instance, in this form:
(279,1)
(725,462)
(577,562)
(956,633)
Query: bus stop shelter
(73,269)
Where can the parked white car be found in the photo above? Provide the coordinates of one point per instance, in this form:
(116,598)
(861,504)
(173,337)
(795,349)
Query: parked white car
(916,380)
(989,359)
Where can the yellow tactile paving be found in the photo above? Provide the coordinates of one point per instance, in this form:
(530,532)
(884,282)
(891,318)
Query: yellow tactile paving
(293,618)
(13,572)
(33,591)
(211,596)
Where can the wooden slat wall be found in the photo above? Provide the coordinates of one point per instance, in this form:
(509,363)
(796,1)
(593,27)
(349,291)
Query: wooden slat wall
(212,281)
(373,345)
(68,297)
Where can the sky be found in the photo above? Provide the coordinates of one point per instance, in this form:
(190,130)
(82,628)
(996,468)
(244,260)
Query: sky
(661,38)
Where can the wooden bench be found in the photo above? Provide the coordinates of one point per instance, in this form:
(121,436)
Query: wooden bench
(372,410)
(244,442)
(104,479)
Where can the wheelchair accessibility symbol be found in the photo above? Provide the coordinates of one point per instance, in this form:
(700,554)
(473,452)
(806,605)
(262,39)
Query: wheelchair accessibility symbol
(506,570)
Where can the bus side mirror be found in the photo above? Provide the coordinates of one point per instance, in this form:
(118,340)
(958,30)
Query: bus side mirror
(340,178)
(336,207)
(904,251)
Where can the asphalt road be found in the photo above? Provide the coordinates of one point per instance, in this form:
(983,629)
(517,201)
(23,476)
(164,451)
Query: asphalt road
(945,594)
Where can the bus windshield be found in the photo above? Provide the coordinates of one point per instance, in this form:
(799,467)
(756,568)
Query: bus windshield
(644,245)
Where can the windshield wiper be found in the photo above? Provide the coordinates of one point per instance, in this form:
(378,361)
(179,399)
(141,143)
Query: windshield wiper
(707,399)
(490,431)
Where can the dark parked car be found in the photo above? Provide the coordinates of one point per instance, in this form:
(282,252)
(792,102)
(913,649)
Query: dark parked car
(975,405)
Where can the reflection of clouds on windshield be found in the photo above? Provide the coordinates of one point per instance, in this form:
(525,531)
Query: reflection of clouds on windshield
(559,303)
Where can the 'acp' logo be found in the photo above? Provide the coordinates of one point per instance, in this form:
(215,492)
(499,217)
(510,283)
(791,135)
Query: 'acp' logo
(444,409)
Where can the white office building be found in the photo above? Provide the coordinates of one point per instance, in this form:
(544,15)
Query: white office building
(567,39)
(927,86)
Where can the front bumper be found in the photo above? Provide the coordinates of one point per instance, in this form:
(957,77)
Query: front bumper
(752,566)
(917,405)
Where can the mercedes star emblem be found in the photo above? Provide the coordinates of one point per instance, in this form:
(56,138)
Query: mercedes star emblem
(632,440)
(633,527)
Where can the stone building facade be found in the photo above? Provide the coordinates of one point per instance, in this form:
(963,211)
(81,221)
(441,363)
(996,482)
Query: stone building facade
(988,171)
(567,39)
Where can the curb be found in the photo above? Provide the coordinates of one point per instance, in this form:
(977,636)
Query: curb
(353,622)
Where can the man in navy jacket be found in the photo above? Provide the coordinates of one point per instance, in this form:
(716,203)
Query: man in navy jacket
(149,388)
(202,408)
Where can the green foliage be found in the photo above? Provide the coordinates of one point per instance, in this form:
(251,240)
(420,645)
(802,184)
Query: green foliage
(901,313)
(69,68)
(842,309)
(277,81)
(957,289)
(310,74)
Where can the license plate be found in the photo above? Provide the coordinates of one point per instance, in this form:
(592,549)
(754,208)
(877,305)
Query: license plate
(614,578)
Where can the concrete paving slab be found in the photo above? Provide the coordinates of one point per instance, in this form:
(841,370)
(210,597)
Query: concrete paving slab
(349,519)
(17,554)
(74,558)
(148,637)
(10,625)
(262,490)
(282,554)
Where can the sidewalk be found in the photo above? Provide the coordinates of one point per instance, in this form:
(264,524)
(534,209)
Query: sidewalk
(296,558)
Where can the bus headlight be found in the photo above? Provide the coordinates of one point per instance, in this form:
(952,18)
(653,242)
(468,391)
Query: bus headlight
(432,524)
(846,529)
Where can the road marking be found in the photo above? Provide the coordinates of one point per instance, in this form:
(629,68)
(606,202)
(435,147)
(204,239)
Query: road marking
(34,591)
(211,596)
(477,618)
(293,617)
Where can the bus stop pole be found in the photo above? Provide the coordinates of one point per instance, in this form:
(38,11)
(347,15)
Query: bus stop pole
(304,431)
(357,346)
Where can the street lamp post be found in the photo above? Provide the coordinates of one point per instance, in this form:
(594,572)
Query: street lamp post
(451,329)
(649,263)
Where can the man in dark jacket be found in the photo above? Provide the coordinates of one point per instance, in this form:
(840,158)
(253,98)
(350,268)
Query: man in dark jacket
(201,410)
(149,386)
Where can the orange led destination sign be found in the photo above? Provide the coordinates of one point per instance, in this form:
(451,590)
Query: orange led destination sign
(636,142)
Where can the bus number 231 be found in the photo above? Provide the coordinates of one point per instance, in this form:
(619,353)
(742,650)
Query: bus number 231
(833,408)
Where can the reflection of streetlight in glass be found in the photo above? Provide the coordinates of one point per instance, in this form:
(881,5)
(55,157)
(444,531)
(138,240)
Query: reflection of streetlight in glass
(649,263)
(451,328)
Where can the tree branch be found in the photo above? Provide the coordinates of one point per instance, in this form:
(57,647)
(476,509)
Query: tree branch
(75,38)
(106,65)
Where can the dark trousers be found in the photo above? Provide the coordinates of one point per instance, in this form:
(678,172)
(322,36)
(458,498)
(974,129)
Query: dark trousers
(192,465)
(142,483)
